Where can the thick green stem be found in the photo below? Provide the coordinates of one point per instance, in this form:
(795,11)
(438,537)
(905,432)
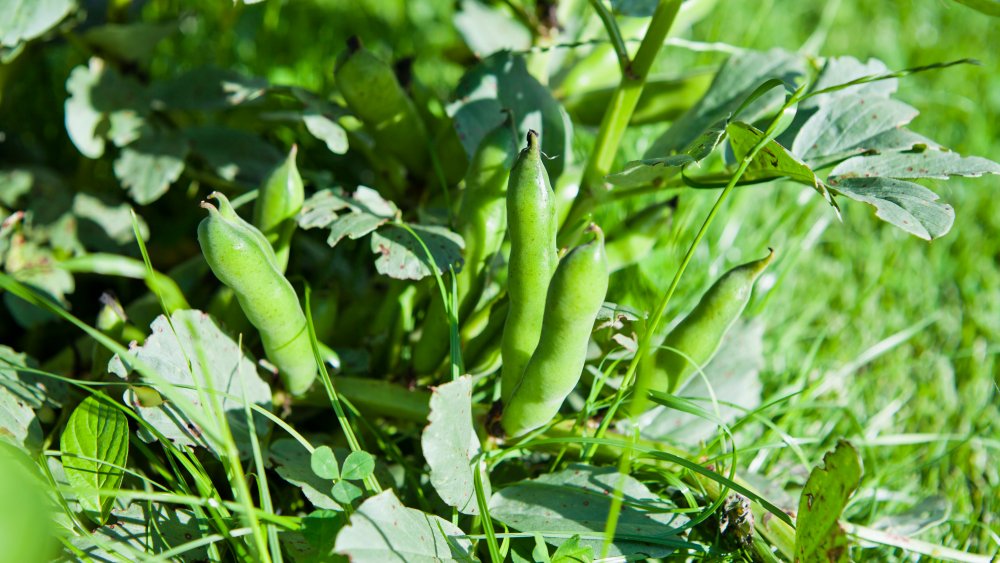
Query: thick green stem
(626,96)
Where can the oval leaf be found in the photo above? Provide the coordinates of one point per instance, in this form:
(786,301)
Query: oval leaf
(358,466)
(94,441)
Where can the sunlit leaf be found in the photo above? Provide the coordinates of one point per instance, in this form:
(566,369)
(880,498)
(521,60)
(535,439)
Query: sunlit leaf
(818,535)
(94,442)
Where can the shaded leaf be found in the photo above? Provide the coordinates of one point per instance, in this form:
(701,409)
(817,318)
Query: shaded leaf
(148,528)
(34,389)
(94,441)
(382,530)
(207,88)
(132,42)
(841,70)
(105,225)
(25,20)
(234,155)
(294,464)
(195,358)
(576,501)
(488,29)
(907,205)
(917,164)
(818,535)
(148,166)
(450,445)
(929,512)
(988,7)
(103,104)
(738,77)
(635,8)
(345,492)
(502,82)
(401,256)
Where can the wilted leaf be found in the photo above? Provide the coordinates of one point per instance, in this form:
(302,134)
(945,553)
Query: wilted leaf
(650,170)
(401,256)
(907,205)
(577,500)
(148,166)
(818,535)
(93,443)
(382,529)
(450,445)
(488,29)
(502,82)
(197,359)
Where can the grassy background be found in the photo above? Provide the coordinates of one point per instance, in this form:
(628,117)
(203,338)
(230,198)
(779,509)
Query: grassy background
(864,281)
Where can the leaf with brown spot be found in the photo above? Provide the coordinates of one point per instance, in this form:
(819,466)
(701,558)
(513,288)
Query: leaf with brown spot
(819,536)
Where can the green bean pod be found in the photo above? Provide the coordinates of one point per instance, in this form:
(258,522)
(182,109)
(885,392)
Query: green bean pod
(278,203)
(531,222)
(482,222)
(242,258)
(699,335)
(374,94)
(574,298)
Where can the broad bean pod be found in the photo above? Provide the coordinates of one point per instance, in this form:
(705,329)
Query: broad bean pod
(279,201)
(531,222)
(574,298)
(699,335)
(241,257)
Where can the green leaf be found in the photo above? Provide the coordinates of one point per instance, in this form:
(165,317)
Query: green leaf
(841,70)
(572,552)
(235,155)
(359,465)
(148,166)
(105,225)
(847,125)
(818,535)
(450,445)
(294,464)
(319,532)
(24,20)
(487,29)
(95,439)
(737,78)
(133,42)
(577,500)
(208,88)
(18,424)
(907,205)
(326,130)
(773,160)
(103,104)
(149,528)
(929,163)
(382,529)
(324,463)
(401,256)
(501,83)
(366,211)
(194,357)
(33,389)
(345,492)
(652,170)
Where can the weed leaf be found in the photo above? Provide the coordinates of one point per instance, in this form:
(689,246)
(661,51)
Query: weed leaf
(818,535)
(95,436)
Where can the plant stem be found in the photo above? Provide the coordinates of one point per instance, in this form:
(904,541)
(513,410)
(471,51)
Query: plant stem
(626,96)
(615,34)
